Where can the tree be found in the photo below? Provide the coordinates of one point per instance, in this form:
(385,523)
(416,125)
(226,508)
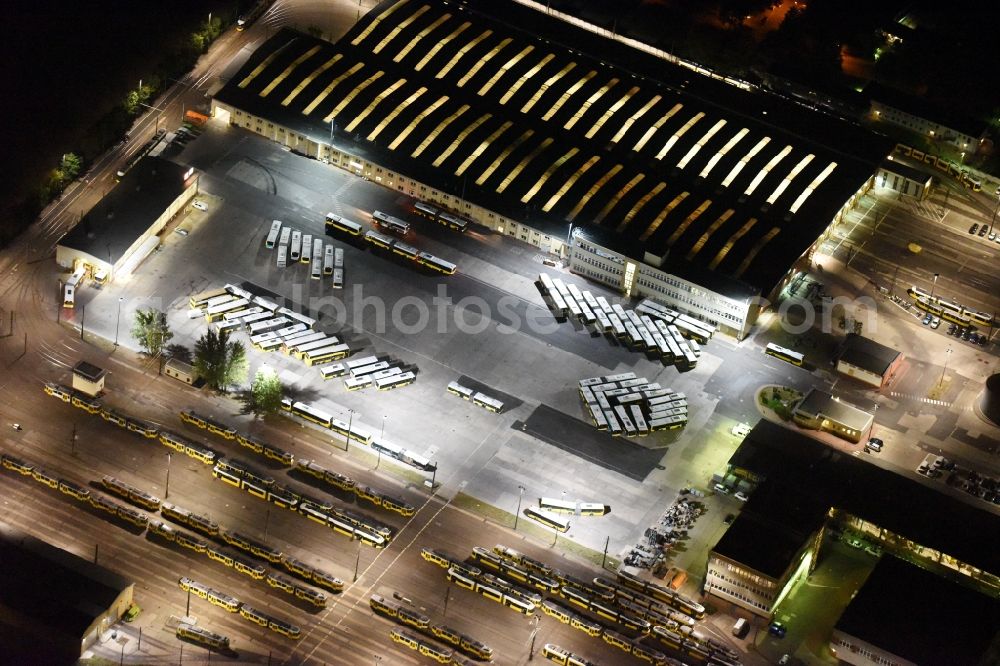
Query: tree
(221,361)
(151,331)
(265,392)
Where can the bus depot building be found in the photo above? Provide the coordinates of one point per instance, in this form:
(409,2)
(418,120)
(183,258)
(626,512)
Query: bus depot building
(655,180)
(807,494)
(123,228)
(867,361)
(53,604)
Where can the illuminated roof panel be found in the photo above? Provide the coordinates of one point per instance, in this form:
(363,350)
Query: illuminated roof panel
(554,125)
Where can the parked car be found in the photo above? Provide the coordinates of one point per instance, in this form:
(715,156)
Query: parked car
(741,496)
(983,230)
(200,205)
(952,329)
(935,322)
(927,320)
(992,236)
(719,488)
(875,444)
(777,629)
(974,228)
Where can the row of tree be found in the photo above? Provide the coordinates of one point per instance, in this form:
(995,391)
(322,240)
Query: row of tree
(219,360)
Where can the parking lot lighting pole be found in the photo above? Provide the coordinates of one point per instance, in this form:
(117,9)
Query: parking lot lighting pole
(994,218)
(934,285)
(947,354)
(166,490)
(518,512)
(350,421)
(118,319)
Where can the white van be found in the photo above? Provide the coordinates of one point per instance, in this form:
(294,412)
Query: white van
(741,627)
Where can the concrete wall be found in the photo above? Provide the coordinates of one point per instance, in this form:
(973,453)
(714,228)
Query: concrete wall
(902,184)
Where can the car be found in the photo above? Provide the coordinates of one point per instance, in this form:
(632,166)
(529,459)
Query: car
(973,338)
(927,320)
(952,329)
(741,430)
(785,658)
(982,340)
(992,236)
(998,238)
(777,629)
(974,228)
(181,232)
(983,230)
(132,613)
(965,334)
(935,322)
(719,488)
(200,205)
(741,496)
(875,444)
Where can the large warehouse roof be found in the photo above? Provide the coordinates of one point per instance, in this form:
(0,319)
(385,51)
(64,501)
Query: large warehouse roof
(719,178)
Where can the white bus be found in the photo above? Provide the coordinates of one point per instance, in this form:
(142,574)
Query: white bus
(368,369)
(292,330)
(328,260)
(272,235)
(488,403)
(286,236)
(259,316)
(382,374)
(352,384)
(337,223)
(391,223)
(296,253)
(334,370)
(302,348)
(338,258)
(307,246)
(560,506)
(267,325)
(316,270)
(69,297)
(230,325)
(395,381)
(547,518)
(292,343)
(793,357)
(330,353)
(239,316)
(338,278)
(217,312)
(295,316)
(437,263)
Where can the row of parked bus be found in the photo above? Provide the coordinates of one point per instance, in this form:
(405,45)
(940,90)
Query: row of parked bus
(351,524)
(287,459)
(384,373)
(427,648)
(234,605)
(357,432)
(199,523)
(639,607)
(291,245)
(403,615)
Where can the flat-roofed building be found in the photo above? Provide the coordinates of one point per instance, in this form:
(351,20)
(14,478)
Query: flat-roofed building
(802,488)
(53,604)
(867,361)
(678,187)
(820,410)
(904,615)
(902,178)
(122,228)
(88,378)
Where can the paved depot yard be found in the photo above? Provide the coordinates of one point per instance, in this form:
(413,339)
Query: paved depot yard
(249,181)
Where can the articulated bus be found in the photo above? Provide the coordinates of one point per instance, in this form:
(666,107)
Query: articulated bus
(272,235)
(548,519)
(793,357)
(390,223)
(338,223)
(437,264)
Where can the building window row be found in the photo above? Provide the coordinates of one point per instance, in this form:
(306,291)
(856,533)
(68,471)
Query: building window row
(766,594)
(742,597)
(865,652)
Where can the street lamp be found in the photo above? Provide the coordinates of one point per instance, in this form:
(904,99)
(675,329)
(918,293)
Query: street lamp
(947,355)
(378,451)
(166,490)
(118,321)
(518,512)
(350,421)
(934,286)
(994,218)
